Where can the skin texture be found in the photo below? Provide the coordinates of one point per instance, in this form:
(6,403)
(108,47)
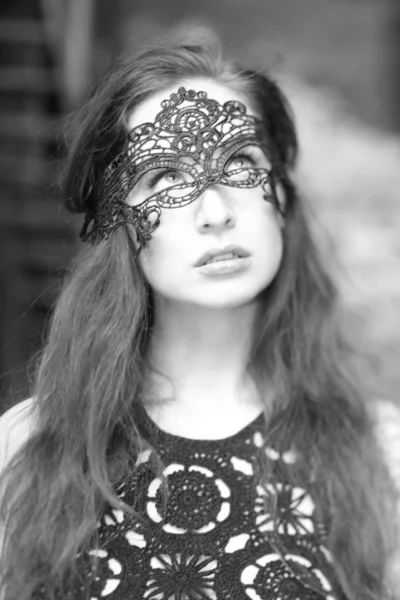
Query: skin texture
(203,323)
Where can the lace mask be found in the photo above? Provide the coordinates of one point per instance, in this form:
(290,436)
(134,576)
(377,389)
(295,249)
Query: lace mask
(191,145)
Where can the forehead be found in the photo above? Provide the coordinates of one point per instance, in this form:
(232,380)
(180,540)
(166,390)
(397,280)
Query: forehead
(147,110)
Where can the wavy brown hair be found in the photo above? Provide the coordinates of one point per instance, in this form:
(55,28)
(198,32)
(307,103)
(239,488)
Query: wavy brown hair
(92,369)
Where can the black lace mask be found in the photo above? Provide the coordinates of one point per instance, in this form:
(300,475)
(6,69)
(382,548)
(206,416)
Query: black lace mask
(192,144)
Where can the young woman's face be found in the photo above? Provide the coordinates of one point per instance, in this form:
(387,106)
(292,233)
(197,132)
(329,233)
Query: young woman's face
(221,217)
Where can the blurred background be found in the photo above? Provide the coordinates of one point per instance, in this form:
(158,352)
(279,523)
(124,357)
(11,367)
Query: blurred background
(339,63)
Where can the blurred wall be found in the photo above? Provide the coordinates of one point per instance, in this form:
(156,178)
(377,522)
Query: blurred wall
(38,87)
(351,45)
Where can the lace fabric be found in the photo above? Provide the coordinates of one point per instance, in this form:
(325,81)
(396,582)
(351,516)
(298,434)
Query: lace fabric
(214,538)
(195,137)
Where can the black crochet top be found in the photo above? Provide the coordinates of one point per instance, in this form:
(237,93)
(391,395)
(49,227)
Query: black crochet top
(215,538)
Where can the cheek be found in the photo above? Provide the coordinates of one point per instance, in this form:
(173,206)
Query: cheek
(160,260)
(268,233)
(171,235)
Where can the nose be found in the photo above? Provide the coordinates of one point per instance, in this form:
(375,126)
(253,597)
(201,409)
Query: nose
(214,210)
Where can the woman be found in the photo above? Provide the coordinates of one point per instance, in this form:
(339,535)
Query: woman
(194,432)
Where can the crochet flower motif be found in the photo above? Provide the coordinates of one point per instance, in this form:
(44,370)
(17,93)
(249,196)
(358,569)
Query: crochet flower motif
(292,578)
(181,576)
(294,509)
(197,500)
(108,576)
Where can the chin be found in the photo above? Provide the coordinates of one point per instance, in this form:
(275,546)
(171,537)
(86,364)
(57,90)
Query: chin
(228,299)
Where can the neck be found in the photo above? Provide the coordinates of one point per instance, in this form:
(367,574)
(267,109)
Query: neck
(203,352)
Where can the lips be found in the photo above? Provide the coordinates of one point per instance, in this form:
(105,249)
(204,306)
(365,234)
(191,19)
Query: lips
(214,253)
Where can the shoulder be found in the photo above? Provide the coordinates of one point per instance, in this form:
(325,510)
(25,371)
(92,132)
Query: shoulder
(386,419)
(16,426)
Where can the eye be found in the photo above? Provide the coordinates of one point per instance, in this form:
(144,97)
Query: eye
(162,176)
(241,160)
(171,177)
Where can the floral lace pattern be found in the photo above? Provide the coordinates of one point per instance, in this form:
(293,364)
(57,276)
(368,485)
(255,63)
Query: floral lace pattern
(194,136)
(214,538)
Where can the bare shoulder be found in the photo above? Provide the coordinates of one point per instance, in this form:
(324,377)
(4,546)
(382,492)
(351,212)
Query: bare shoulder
(16,425)
(386,417)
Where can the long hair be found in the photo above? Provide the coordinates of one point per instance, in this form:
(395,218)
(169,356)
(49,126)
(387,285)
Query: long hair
(91,372)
